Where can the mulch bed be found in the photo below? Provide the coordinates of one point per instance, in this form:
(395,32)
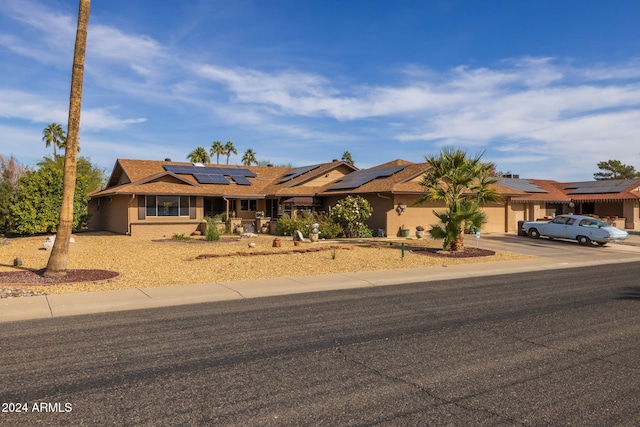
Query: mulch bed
(35,277)
(467,253)
(283,252)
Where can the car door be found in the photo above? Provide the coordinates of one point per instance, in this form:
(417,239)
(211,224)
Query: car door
(557,227)
(590,228)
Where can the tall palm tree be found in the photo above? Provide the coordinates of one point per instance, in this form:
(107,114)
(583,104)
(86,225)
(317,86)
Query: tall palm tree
(54,135)
(229,149)
(57,264)
(464,184)
(249,157)
(216,149)
(199,155)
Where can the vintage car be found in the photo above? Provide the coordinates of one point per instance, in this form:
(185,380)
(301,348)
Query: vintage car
(584,229)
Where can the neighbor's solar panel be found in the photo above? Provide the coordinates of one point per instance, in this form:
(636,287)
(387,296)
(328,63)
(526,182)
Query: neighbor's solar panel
(297,172)
(521,185)
(361,177)
(603,186)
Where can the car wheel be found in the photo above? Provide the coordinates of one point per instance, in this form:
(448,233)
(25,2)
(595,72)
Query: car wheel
(584,240)
(601,243)
(534,233)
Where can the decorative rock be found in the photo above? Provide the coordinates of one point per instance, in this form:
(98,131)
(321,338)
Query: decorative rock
(48,242)
(17,262)
(252,244)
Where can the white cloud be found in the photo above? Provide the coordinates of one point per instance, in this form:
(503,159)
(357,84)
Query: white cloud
(527,111)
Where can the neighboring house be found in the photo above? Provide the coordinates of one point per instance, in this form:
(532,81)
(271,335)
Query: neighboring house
(393,188)
(617,201)
(162,198)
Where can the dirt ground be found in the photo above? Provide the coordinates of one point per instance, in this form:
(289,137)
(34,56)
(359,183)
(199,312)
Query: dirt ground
(144,263)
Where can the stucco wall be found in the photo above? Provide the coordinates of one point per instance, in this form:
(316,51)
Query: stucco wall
(109,214)
(631,212)
(159,230)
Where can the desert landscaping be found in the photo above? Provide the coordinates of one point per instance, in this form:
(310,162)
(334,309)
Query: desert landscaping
(143,263)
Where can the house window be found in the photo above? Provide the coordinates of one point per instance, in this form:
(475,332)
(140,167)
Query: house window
(167,205)
(248,205)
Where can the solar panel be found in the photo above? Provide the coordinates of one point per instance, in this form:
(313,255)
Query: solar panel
(213,174)
(240,180)
(206,178)
(361,177)
(233,172)
(297,172)
(521,185)
(603,186)
(179,169)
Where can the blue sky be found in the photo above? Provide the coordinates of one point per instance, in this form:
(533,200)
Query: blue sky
(546,88)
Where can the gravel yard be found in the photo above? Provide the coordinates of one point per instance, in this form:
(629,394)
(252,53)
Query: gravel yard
(143,263)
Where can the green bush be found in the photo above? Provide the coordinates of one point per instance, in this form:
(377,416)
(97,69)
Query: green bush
(212,233)
(364,231)
(304,223)
(35,206)
(327,227)
(5,203)
(180,237)
(351,213)
(287,225)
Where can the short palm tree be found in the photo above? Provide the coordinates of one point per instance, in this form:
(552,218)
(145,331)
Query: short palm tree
(464,184)
(199,155)
(249,157)
(229,149)
(54,135)
(216,149)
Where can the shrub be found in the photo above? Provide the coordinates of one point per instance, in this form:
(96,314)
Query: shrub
(180,237)
(35,206)
(212,233)
(351,213)
(364,231)
(327,227)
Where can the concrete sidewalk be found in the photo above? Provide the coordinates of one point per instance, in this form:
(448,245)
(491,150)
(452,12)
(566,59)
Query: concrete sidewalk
(48,306)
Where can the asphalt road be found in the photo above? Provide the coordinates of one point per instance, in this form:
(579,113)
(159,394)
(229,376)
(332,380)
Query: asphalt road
(552,348)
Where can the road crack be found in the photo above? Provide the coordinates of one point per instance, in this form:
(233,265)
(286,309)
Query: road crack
(442,401)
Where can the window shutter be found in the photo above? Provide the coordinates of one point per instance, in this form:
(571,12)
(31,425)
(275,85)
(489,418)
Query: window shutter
(192,207)
(142,207)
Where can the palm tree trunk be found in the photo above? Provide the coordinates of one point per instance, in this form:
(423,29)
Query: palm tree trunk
(457,245)
(57,265)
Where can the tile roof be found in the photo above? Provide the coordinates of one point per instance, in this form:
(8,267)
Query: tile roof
(150,177)
(558,192)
